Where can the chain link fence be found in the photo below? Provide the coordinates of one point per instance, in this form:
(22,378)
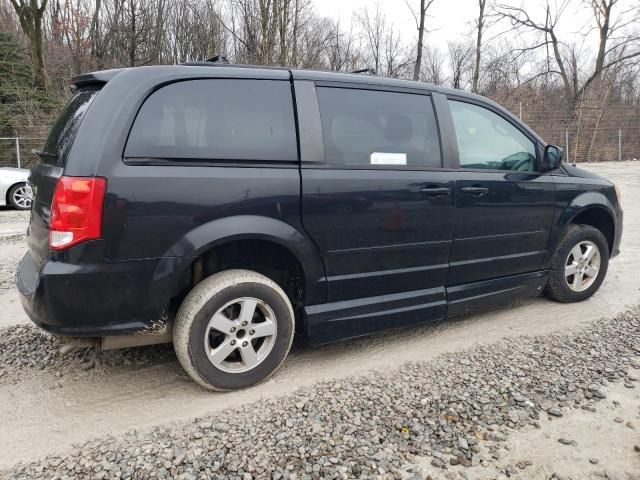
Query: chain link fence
(16,151)
(588,134)
(609,145)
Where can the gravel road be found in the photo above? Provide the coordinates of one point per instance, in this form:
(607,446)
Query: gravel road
(454,411)
(49,403)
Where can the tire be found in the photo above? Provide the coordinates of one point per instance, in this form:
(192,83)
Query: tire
(566,288)
(19,197)
(204,324)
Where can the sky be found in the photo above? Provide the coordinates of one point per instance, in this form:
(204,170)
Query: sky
(455,19)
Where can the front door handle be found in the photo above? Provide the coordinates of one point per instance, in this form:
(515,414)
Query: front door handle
(435,191)
(475,191)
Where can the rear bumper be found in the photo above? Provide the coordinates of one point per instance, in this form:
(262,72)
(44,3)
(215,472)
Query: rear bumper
(92,300)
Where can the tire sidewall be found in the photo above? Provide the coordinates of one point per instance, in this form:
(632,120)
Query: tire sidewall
(284,332)
(12,202)
(579,235)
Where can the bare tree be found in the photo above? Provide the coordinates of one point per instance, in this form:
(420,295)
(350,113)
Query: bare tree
(609,45)
(460,57)
(282,10)
(480,21)
(373,26)
(608,82)
(420,26)
(433,67)
(30,14)
(394,53)
(585,81)
(341,47)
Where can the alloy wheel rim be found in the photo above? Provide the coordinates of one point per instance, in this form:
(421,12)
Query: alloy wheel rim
(240,335)
(22,197)
(582,266)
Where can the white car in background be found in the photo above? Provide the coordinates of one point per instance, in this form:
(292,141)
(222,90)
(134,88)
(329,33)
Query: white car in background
(14,189)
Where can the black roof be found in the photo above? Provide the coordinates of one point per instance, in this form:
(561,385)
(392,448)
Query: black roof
(103,76)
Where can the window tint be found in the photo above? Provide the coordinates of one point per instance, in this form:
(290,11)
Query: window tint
(367,127)
(486,140)
(216,119)
(65,128)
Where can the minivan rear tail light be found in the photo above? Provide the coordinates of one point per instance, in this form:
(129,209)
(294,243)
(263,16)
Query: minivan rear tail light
(76,211)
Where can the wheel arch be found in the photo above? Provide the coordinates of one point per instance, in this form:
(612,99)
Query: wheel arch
(592,208)
(247,239)
(599,218)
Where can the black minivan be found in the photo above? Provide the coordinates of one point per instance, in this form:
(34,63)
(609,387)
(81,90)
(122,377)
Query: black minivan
(225,208)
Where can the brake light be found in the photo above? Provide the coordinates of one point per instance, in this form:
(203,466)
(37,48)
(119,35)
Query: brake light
(76,211)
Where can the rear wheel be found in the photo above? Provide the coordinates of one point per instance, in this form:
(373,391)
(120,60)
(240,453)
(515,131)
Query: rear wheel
(579,265)
(20,196)
(233,330)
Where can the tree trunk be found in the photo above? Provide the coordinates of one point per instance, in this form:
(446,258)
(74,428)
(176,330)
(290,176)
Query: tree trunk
(294,33)
(132,35)
(38,56)
(30,17)
(604,100)
(283,24)
(418,66)
(94,32)
(476,70)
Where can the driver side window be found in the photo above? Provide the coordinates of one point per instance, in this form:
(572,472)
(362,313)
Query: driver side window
(488,141)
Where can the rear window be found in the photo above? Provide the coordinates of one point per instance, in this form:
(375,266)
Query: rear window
(64,130)
(221,119)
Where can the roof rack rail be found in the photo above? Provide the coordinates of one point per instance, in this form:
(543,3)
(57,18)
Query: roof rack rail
(366,71)
(220,58)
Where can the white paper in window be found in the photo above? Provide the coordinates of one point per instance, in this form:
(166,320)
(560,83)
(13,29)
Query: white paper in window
(385,158)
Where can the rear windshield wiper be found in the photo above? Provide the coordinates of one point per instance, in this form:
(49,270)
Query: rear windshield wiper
(41,154)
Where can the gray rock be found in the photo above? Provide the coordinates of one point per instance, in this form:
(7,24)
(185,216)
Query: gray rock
(510,470)
(566,441)
(463,444)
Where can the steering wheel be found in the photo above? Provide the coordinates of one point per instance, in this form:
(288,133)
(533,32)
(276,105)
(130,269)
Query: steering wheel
(522,163)
(519,165)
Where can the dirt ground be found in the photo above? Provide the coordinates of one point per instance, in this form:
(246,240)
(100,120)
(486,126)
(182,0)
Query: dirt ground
(45,414)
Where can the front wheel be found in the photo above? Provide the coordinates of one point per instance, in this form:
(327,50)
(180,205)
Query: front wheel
(233,330)
(579,264)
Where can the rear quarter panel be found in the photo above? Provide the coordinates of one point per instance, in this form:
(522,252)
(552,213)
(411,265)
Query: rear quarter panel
(172,211)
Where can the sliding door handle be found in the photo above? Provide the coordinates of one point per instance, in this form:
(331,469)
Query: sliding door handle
(435,191)
(475,191)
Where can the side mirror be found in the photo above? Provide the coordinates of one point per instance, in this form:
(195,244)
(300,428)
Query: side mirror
(552,158)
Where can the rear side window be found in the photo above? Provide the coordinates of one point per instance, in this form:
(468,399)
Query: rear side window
(217,119)
(371,128)
(64,130)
